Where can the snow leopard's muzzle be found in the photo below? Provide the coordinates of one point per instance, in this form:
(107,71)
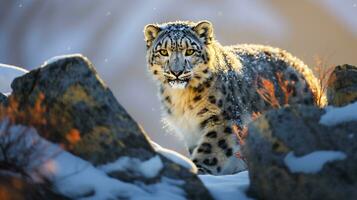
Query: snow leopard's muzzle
(178,73)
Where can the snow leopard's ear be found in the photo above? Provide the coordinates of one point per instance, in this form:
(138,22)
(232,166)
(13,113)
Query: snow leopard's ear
(204,30)
(151,31)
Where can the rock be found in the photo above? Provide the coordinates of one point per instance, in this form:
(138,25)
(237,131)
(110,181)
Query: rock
(3,99)
(342,85)
(83,115)
(277,136)
(15,188)
(77,99)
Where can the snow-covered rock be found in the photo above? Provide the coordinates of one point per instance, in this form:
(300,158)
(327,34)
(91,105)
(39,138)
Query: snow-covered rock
(312,162)
(175,157)
(292,155)
(76,178)
(149,168)
(334,116)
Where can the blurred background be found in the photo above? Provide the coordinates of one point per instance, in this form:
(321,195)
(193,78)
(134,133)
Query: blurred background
(110,34)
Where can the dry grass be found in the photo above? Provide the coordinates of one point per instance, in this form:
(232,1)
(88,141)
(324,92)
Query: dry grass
(322,71)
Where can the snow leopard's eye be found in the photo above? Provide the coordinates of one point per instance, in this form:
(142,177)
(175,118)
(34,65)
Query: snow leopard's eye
(189,52)
(163,52)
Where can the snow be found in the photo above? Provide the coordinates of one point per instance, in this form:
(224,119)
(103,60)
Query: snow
(149,168)
(7,74)
(56,58)
(76,178)
(175,157)
(228,186)
(312,162)
(334,116)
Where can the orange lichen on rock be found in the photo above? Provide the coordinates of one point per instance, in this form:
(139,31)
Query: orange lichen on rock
(33,116)
(37,116)
(73,137)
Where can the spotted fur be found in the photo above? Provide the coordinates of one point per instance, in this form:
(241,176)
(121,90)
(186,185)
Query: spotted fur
(206,93)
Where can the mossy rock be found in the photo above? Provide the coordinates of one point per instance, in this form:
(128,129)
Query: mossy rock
(297,131)
(342,85)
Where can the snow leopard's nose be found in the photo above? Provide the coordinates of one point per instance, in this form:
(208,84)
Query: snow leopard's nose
(177,73)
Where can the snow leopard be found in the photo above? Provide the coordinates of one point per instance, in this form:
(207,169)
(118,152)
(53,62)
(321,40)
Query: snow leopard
(209,92)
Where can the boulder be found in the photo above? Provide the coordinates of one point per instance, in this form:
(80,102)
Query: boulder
(76,99)
(293,156)
(342,85)
(83,115)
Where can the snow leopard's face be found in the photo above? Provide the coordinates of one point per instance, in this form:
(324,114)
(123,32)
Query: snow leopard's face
(178,53)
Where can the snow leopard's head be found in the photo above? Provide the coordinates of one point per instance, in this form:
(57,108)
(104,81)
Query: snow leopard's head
(178,53)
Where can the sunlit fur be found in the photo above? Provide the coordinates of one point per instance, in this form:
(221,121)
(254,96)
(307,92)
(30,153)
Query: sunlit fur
(220,88)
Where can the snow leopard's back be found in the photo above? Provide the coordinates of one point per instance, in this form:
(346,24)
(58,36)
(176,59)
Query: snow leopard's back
(261,64)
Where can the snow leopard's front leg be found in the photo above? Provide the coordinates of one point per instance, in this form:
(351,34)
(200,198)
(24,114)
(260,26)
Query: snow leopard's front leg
(216,151)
